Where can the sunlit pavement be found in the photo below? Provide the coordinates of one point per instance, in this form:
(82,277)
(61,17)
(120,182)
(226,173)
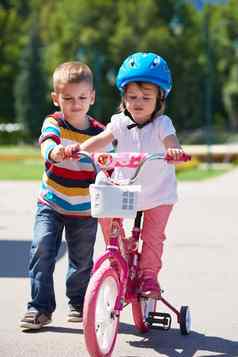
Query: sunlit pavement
(200,270)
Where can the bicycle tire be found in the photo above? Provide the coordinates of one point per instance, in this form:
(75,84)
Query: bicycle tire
(185,320)
(141,307)
(100,325)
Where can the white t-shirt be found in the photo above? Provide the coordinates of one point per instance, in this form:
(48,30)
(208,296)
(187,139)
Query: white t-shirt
(157,178)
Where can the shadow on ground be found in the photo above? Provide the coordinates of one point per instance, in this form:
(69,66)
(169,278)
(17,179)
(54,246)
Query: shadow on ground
(167,343)
(172,344)
(14,258)
(56,329)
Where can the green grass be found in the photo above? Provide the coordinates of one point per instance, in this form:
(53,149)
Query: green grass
(21,170)
(20,163)
(200,174)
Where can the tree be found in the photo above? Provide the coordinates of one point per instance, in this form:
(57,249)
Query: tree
(11,42)
(30,89)
(226,44)
(104,32)
(231,98)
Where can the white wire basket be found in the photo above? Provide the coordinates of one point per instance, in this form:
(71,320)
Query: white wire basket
(114,201)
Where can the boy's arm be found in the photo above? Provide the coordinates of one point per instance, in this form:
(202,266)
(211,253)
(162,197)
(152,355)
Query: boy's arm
(98,142)
(51,151)
(56,153)
(50,141)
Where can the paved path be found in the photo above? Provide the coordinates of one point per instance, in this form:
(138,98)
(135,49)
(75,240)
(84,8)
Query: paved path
(201,270)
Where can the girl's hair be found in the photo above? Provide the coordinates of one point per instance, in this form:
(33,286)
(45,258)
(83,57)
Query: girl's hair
(71,72)
(160,105)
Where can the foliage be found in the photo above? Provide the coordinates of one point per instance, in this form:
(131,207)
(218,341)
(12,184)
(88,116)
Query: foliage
(30,90)
(11,42)
(12,138)
(102,33)
(231,97)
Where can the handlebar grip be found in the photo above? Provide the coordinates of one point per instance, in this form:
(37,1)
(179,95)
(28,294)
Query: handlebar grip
(183,158)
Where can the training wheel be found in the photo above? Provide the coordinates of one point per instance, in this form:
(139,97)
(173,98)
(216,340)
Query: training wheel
(185,320)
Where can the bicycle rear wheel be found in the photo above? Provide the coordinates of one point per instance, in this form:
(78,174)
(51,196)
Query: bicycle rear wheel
(99,321)
(141,307)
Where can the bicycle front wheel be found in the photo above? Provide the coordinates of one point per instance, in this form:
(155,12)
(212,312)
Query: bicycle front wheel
(141,307)
(99,320)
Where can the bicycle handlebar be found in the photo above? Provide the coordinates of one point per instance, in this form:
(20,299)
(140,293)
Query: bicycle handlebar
(108,161)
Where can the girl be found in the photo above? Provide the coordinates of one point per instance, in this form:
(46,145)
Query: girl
(144,81)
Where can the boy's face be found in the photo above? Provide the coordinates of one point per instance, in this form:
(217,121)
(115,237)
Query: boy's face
(74,100)
(140,100)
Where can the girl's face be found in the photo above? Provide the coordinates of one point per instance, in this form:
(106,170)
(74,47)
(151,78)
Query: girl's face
(140,100)
(74,100)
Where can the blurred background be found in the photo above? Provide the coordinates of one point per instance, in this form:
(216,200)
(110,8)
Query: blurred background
(198,38)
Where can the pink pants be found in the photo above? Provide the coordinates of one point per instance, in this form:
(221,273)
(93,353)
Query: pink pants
(153,236)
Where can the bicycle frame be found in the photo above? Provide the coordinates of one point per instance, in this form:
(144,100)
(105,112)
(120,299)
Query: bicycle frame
(115,275)
(113,254)
(127,269)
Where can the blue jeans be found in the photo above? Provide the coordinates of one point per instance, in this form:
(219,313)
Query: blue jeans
(80,234)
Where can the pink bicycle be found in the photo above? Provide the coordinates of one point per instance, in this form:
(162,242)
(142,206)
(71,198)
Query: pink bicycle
(114,281)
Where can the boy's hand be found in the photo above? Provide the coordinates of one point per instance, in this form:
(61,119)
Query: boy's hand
(72,151)
(58,153)
(61,153)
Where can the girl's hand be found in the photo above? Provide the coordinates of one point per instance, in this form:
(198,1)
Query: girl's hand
(174,151)
(174,154)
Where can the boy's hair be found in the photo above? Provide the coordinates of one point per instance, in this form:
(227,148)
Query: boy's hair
(71,72)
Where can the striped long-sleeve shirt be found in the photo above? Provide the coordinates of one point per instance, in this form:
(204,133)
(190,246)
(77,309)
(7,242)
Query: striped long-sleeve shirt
(65,185)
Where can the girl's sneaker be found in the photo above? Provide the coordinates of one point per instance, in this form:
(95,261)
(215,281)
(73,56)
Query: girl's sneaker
(149,287)
(35,320)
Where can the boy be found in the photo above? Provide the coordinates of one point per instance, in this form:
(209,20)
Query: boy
(64,202)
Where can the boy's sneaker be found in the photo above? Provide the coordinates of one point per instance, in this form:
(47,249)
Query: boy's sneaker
(150,288)
(35,320)
(75,313)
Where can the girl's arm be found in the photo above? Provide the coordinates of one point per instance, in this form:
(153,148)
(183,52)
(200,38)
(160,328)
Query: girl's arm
(171,141)
(173,147)
(98,142)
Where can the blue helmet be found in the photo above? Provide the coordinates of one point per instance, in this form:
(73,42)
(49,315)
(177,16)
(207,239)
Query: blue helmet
(145,67)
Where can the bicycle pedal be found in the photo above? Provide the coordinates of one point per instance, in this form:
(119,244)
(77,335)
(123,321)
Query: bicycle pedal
(159,320)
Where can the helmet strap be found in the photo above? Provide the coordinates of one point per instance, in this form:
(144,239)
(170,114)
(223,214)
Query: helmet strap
(159,105)
(131,126)
(135,124)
